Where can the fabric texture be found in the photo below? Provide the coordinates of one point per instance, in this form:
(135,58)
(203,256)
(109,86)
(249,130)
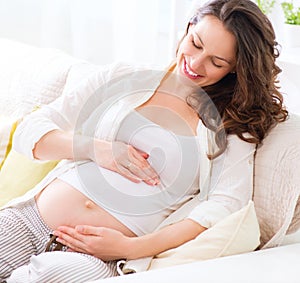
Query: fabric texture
(22,234)
(63,267)
(20,174)
(23,238)
(30,76)
(237,233)
(277,182)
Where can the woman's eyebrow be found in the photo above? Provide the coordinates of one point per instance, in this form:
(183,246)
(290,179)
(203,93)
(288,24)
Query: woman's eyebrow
(199,38)
(218,57)
(223,59)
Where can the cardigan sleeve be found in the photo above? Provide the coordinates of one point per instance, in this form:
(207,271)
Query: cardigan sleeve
(63,113)
(230,185)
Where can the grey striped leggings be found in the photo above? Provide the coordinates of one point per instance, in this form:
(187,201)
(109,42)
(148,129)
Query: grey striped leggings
(23,237)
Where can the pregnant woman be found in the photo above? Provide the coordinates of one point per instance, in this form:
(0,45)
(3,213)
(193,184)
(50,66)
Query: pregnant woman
(138,144)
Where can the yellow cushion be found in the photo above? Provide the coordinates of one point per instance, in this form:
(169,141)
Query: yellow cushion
(19,174)
(7,129)
(237,233)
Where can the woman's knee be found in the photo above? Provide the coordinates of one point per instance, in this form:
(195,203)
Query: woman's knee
(63,267)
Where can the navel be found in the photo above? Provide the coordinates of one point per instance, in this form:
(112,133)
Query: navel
(89,204)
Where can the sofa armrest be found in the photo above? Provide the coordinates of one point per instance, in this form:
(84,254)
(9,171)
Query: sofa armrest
(274,265)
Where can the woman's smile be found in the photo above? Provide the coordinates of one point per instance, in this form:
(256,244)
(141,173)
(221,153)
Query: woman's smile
(189,72)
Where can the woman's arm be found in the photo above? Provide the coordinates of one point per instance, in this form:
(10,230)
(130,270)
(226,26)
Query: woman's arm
(230,186)
(114,156)
(51,127)
(109,244)
(167,238)
(50,133)
(66,114)
(58,145)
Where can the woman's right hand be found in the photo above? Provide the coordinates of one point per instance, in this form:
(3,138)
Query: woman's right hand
(125,160)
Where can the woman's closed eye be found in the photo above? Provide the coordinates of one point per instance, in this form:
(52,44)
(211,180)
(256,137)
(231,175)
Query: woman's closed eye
(196,45)
(215,64)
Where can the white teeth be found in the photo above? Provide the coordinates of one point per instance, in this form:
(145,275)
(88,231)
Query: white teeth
(190,71)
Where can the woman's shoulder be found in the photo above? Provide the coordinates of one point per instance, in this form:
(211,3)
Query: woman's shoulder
(237,146)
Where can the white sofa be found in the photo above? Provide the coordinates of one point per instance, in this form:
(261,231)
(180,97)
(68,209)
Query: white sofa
(275,265)
(30,77)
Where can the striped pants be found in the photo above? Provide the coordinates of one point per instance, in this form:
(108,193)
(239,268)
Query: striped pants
(23,237)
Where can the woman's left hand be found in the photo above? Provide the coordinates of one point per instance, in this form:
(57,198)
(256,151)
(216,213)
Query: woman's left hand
(103,243)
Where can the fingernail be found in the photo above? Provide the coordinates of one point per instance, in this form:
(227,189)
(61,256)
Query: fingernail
(154,182)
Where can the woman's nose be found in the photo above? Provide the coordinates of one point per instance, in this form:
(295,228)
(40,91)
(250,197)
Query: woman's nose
(197,61)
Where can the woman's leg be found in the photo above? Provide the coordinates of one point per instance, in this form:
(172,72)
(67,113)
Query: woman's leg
(63,267)
(22,234)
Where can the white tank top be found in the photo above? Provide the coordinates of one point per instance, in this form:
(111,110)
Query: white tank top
(139,206)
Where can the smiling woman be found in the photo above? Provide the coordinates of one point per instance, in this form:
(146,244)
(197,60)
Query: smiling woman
(184,136)
(207,53)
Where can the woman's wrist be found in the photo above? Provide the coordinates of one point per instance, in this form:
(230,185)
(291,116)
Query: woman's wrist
(167,238)
(96,149)
(144,246)
(134,247)
(81,147)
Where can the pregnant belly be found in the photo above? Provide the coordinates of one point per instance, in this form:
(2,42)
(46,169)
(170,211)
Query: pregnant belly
(61,204)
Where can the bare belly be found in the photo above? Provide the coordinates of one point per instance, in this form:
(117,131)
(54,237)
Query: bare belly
(61,204)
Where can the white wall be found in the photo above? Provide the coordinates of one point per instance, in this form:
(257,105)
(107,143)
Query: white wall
(100,31)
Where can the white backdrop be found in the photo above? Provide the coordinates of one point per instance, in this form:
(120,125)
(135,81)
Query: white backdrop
(100,31)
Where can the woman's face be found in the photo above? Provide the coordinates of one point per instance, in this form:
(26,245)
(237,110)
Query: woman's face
(207,53)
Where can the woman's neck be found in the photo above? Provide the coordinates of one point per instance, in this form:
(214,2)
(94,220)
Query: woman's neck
(176,85)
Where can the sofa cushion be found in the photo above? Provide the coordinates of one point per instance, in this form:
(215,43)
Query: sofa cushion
(19,174)
(277,182)
(29,77)
(7,128)
(237,233)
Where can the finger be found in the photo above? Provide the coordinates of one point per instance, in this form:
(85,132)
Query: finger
(143,166)
(144,155)
(125,172)
(70,241)
(136,174)
(89,230)
(65,229)
(135,167)
(139,171)
(71,248)
(66,233)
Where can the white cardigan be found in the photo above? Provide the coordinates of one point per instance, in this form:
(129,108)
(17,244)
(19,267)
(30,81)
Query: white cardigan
(104,99)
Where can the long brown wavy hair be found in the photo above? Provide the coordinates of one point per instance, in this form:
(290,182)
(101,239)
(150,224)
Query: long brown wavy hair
(247,101)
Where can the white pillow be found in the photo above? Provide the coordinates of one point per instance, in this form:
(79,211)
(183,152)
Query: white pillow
(237,233)
(277,182)
(30,76)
